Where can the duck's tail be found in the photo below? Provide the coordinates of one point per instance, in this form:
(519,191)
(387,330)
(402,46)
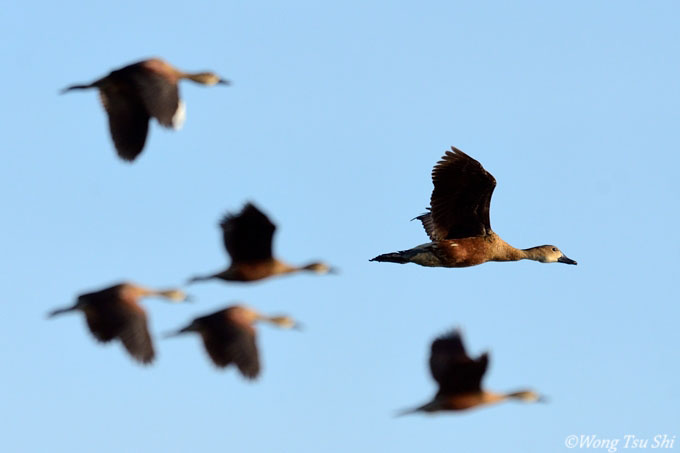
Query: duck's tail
(176,333)
(432,406)
(60,311)
(412,410)
(78,87)
(394,257)
(200,278)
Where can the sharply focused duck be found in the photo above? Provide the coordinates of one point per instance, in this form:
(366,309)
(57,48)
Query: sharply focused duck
(135,93)
(458,222)
(248,238)
(115,312)
(460,379)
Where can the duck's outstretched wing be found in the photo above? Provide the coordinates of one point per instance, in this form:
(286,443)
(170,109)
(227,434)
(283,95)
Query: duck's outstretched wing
(235,344)
(428,224)
(135,336)
(248,235)
(128,120)
(453,369)
(460,199)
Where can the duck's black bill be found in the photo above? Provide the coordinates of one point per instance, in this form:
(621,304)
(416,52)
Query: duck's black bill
(565,260)
(224,82)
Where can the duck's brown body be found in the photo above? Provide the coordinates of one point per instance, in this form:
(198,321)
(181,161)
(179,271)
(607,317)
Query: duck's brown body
(255,270)
(463,252)
(462,401)
(458,222)
(470,400)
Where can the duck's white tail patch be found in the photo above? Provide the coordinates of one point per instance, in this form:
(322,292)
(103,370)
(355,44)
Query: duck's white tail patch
(179,116)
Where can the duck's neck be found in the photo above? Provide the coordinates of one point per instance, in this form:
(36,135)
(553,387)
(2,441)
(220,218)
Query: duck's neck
(170,294)
(281,267)
(487,397)
(522,395)
(198,77)
(285,268)
(533,253)
(507,252)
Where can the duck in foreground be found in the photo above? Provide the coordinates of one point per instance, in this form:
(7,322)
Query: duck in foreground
(135,93)
(458,222)
(229,336)
(248,239)
(459,378)
(115,313)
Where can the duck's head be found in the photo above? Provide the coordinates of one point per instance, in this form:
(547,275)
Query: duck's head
(320,268)
(551,254)
(208,78)
(285,322)
(528,396)
(175,295)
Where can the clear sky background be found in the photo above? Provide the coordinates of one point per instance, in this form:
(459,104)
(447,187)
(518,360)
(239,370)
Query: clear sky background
(336,116)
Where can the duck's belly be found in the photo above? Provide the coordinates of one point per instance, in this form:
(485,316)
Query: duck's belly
(464,401)
(257,270)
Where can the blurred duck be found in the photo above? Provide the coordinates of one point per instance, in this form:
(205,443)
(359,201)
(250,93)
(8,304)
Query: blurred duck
(459,378)
(229,336)
(115,313)
(248,239)
(135,93)
(458,222)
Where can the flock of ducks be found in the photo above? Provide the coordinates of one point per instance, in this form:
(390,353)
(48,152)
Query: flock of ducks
(228,334)
(457,223)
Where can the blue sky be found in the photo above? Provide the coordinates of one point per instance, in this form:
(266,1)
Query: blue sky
(336,116)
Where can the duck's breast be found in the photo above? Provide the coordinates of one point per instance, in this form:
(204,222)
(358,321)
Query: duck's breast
(465,252)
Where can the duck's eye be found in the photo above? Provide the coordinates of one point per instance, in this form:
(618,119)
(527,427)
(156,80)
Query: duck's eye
(554,249)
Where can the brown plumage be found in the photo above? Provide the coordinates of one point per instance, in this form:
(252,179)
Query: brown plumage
(229,336)
(248,238)
(115,313)
(460,379)
(458,222)
(135,93)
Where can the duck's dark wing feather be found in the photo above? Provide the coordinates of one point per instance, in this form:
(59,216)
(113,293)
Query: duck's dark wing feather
(128,119)
(453,369)
(248,235)
(104,324)
(428,225)
(231,343)
(109,319)
(460,199)
(135,335)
